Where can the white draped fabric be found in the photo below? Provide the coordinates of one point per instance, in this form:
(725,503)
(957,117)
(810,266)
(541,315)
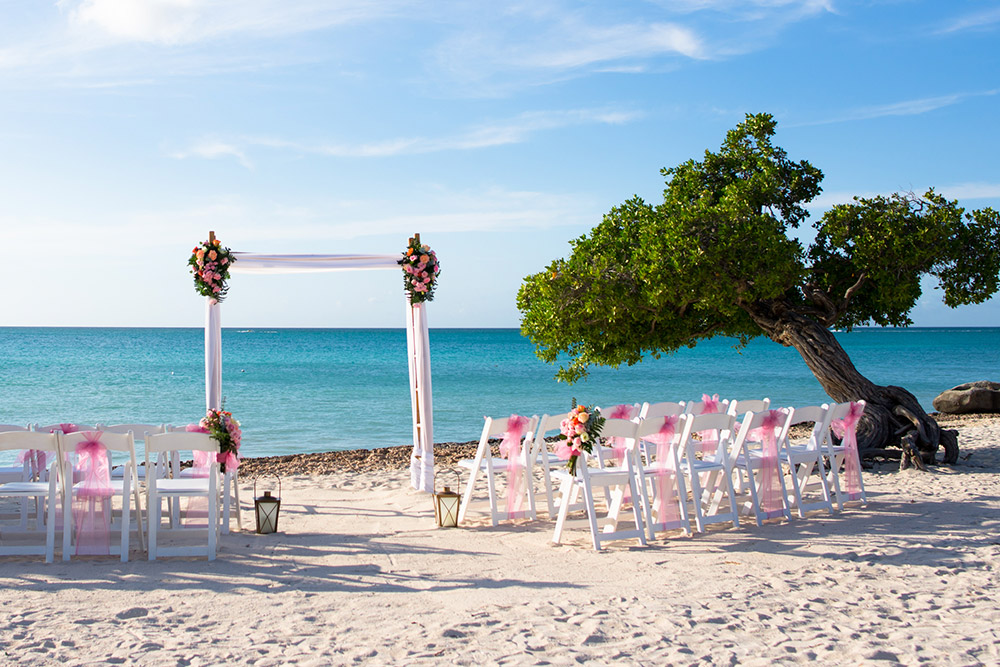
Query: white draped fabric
(419,355)
(252,262)
(417,345)
(213,355)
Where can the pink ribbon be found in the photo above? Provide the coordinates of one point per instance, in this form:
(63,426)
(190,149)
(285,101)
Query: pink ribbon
(771,502)
(37,460)
(847,430)
(709,438)
(202,460)
(510,447)
(664,471)
(68,428)
(623,411)
(89,504)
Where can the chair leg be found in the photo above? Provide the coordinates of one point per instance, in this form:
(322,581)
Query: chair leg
(126,516)
(153,509)
(67,521)
(588,496)
(236,498)
(565,490)
(213,517)
(637,511)
(50,529)
(226,499)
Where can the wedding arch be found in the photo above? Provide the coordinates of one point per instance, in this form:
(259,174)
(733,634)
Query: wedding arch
(417,346)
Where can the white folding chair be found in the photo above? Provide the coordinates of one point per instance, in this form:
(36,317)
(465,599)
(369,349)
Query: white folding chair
(545,459)
(837,454)
(620,478)
(138,433)
(656,411)
(485,462)
(46,493)
(18,472)
(125,487)
(230,488)
(805,461)
(698,407)
(750,459)
(663,475)
(715,467)
(740,408)
(176,488)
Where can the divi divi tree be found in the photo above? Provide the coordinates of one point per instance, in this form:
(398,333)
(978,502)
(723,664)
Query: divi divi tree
(719,257)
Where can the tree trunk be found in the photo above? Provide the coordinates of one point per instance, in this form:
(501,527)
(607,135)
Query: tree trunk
(892,413)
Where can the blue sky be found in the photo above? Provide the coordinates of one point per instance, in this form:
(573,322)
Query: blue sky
(498,130)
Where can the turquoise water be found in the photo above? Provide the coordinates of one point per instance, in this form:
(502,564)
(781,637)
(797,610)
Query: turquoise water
(305,390)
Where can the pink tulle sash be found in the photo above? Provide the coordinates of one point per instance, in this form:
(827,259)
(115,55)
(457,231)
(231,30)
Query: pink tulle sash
(771,502)
(664,471)
(847,430)
(90,506)
(510,448)
(618,445)
(709,438)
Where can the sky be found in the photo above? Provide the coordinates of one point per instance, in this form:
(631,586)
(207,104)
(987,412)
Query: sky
(497,130)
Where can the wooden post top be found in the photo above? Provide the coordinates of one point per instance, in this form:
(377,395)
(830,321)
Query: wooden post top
(211,237)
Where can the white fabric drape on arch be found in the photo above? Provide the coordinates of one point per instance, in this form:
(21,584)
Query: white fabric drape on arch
(417,345)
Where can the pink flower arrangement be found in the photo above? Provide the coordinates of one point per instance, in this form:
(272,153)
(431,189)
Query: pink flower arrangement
(420,271)
(226,431)
(579,431)
(210,264)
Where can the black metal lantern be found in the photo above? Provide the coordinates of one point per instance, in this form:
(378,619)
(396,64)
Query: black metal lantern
(446,504)
(266,508)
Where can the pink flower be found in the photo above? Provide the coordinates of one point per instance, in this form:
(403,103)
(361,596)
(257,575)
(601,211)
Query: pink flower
(216,289)
(421,266)
(580,428)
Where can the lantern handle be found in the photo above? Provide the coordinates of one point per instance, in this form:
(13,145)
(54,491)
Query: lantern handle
(457,474)
(256,477)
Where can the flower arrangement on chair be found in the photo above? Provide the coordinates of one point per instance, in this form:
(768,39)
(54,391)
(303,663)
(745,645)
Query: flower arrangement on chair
(579,431)
(420,271)
(210,264)
(225,430)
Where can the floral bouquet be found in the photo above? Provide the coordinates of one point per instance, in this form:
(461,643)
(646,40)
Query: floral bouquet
(226,431)
(210,264)
(579,431)
(420,271)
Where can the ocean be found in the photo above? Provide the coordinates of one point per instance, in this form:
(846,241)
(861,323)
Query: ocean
(309,390)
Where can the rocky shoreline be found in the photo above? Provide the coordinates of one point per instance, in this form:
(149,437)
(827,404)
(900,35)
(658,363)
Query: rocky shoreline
(446,454)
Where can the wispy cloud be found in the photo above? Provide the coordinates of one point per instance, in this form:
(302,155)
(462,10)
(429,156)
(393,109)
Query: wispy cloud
(963,192)
(512,131)
(187,21)
(983,20)
(913,107)
(979,190)
(211,149)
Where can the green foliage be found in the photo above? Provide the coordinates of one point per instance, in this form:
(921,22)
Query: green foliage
(716,258)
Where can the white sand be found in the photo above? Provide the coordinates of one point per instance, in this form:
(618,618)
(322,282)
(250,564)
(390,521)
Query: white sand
(360,575)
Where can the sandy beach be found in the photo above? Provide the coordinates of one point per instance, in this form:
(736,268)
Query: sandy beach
(359,574)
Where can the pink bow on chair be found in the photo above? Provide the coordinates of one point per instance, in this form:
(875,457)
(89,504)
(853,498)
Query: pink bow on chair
(771,503)
(510,447)
(89,515)
(664,470)
(618,446)
(847,430)
(709,441)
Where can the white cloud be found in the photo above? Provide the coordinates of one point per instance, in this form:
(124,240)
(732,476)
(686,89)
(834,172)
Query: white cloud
(905,108)
(212,149)
(983,20)
(513,131)
(963,191)
(186,21)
